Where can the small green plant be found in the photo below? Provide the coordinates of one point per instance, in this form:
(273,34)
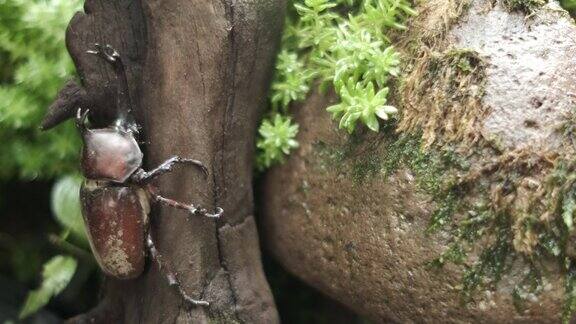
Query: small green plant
(363,104)
(276,140)
(291,82)
(343,44)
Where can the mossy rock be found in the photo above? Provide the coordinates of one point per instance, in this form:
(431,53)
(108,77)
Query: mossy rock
(453,213)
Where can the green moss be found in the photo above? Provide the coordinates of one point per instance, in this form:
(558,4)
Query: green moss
(390,152)
(444,212)
(478,222)
(455,254)
(540,230)
(366,167)
(405,151)
(443,90)
(493,261)
(434,171)
(526,6)
(531,285)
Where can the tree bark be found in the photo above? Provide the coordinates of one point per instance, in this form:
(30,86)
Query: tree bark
(198,74)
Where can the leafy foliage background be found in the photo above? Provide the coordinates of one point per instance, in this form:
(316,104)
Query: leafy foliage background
(33,65)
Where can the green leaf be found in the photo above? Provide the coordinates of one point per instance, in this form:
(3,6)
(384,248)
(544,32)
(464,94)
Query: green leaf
(384,111)
(372,123)
(66,205)
(56,275)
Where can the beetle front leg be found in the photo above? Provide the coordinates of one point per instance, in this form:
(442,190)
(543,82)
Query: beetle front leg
(188,207)
(81,119)
(144,177)
(172,280)
(123,101)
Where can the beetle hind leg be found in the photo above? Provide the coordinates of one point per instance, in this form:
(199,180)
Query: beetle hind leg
(171,277)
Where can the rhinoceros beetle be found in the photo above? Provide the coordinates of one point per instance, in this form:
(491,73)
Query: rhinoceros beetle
(116,193)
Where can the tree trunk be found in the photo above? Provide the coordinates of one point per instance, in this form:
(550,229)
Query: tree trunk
(198,74)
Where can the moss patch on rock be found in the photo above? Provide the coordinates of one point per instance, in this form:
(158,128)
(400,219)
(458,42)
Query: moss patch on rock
(499,208)
(526,6)
(442,96)
(510,204)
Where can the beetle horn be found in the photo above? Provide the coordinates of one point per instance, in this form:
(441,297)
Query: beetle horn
(64,107)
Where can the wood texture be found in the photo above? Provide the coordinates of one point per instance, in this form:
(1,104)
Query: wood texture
(198,73)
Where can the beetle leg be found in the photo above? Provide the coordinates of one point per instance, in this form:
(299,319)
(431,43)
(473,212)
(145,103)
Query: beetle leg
(123,101)
(196,210)
(165,167)
(81,119)
(172,280)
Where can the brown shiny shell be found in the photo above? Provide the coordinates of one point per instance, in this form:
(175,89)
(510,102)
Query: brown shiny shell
(116,219)
(110,154)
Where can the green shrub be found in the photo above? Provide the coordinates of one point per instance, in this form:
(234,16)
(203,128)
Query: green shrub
(34,64)
(343,44)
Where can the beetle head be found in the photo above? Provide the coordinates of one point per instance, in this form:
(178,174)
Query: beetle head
(110,154)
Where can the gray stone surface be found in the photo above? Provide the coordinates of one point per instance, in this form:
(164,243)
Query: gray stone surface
(531,68)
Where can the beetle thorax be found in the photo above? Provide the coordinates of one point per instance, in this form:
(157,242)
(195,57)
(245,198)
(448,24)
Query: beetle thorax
(110,154)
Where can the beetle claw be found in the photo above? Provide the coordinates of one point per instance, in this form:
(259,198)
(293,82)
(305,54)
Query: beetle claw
(196,163)
(203,212)
(196,302)
(97,49)
(107,52)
